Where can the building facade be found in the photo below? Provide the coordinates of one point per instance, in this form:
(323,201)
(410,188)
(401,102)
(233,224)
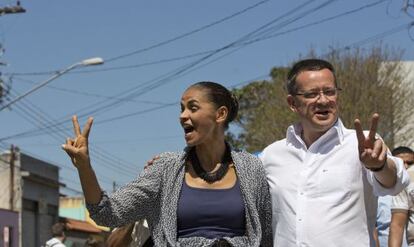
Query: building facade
(30,194)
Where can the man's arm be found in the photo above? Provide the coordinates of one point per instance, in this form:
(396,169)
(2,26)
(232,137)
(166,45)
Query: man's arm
(398,221)
(388,175)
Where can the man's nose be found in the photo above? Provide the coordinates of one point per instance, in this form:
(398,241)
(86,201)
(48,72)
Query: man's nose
(322,98)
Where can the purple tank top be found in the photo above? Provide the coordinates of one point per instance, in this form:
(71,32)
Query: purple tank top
(210,213)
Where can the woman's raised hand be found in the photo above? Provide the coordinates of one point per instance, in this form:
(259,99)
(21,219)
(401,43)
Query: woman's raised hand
(77,148)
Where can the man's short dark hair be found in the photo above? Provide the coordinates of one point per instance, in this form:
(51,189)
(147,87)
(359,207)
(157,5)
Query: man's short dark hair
(401,150)
(58,229)
(306,65)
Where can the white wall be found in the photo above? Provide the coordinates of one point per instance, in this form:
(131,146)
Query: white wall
(405,137)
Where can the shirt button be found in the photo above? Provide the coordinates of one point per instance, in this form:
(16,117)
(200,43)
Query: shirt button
(299,219)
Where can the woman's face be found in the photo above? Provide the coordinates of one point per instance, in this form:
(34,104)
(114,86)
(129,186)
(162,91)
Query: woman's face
(198,117)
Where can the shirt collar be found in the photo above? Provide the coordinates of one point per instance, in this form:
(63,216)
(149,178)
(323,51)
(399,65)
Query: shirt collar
(293,133)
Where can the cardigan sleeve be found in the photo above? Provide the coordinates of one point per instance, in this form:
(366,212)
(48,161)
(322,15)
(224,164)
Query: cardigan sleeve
(265,208)
(132,202)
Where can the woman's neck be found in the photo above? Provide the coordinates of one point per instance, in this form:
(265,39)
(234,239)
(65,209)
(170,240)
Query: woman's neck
(211,154)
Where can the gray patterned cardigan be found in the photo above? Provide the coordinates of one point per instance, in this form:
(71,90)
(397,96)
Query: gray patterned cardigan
(154,196)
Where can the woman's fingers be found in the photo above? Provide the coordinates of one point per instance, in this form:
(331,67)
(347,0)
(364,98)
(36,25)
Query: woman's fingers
(87,127)
(76,127)
(70,141)
(70,149)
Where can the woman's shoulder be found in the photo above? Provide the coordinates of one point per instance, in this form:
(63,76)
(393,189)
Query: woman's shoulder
(166,160)
(247,161)
(170,155)
(243,153)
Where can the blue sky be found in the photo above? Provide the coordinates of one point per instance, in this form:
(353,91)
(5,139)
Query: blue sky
(133,83)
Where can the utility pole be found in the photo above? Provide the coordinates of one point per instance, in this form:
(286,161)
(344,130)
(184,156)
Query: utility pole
(12,158)
(113,186)
(1,89)
(5,11)
(12,9)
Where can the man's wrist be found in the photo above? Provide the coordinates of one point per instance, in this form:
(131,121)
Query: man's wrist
(378,169)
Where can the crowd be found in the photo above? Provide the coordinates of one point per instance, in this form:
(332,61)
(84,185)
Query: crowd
(317,187)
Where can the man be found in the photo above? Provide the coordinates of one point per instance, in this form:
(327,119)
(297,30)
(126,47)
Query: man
(383,222)
(384,203)
(406,154)
(323,177)
(402,208)
(58,233)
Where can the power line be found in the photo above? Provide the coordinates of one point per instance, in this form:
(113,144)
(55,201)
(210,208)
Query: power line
(89,94)
(242,44)
(177,72)
(99,154)
(34,133)
(155,83)
(146,89)
(119,117)
(330,18)
(370,39)
(162,43)
(182,57)
(264,37)
(83,71)
(346,13)
(188,33)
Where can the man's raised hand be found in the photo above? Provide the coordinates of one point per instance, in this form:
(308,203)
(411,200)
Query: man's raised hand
(77,148)
(372,150)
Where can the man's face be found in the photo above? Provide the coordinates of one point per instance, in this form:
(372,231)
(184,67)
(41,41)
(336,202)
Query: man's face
(408,159)
(317,111)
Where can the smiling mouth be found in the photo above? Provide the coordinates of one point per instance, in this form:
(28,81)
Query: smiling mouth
(324,113)
(188,129)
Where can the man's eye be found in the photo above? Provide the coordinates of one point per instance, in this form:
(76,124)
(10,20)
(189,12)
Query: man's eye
(310,95)
(329,92)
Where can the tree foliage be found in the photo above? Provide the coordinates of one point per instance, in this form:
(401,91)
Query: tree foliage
(371,81)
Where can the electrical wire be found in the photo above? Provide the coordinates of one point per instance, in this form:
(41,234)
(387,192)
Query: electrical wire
(164,79)
(179,71)
(302,27)
(107,160)
(77,92)
(165,42)
(346,13)
(370,39)
(188,33)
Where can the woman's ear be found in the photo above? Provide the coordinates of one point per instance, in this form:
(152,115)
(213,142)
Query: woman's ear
(221,114)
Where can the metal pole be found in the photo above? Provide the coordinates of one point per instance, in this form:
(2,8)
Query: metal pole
(86,62)
(58,74)
(12,158)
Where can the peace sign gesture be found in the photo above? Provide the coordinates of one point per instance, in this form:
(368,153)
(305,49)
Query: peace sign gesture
(372,150)
(77,148)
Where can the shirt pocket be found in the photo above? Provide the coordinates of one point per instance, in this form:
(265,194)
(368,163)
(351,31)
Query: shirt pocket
(334,184)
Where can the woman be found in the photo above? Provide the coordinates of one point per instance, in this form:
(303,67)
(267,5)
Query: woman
(207,195)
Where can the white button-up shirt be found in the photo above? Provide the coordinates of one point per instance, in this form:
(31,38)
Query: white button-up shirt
(323,196)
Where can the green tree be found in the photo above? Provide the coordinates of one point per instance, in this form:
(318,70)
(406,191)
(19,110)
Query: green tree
(371,81)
